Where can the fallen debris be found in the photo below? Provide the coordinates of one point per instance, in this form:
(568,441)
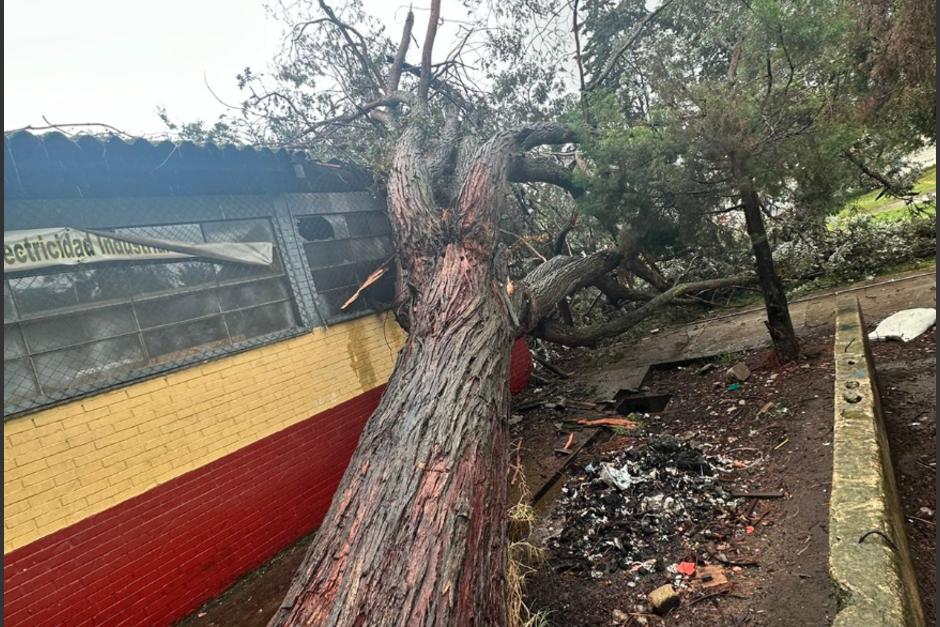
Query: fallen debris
(574,404)
(738,372)
(377,274)
(608,422)
(566,449)
(663,599)
(621,511)
(706,368)
(766,408)
(711,576)
(905,325)
(686,568)
(757,495)
(543,490)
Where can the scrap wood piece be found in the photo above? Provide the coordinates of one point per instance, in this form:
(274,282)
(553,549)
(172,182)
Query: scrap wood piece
(608,422)
(576,404)
(377,274)
(567,448)
(711,576)
(543,490)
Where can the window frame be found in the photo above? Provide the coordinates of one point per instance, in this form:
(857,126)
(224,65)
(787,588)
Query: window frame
(326,308)
(152,365)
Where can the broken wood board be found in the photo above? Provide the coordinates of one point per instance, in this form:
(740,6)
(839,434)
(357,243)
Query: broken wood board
(545,487)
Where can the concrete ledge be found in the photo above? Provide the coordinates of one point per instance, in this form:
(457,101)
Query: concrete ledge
(869,559)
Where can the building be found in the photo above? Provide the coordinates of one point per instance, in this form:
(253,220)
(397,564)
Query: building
(171,423)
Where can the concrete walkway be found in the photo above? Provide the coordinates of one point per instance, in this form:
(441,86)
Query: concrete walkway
(745,330)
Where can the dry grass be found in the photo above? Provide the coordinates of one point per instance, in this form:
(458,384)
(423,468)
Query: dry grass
(523,559)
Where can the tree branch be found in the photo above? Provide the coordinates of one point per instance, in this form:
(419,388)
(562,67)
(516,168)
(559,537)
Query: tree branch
(394,74)
(628,43)
(648,274)
(577,57)
(62,127)
(562,238)
(541,133)
(398,97)
(617,294)
(367,67)
(543,170)
(427,49)
(439,86)
(591,336)
(551,282)
(891,187)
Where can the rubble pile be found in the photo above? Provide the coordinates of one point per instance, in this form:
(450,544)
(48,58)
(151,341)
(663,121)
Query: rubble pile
(621,511)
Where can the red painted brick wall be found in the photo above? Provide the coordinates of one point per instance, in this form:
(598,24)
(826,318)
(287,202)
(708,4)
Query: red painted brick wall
(520,366)
(160,555)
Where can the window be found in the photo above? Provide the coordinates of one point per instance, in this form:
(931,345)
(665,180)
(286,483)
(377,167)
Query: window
(75,329)
(342,250)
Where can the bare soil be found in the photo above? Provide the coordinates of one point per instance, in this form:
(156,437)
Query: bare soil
(773,551)
(253,599)
(907,382)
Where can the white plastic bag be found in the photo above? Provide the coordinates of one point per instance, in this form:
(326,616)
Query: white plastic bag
(905,325)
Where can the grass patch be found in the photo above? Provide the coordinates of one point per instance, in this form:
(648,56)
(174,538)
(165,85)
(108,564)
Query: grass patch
(887,207)
(927,182)
(903,212)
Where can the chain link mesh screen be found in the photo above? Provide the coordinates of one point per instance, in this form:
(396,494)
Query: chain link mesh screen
(74,330)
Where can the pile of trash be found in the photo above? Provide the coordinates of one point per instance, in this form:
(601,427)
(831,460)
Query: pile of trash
(625,511)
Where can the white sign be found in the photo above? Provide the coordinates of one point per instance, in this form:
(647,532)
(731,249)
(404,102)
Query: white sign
(66,246)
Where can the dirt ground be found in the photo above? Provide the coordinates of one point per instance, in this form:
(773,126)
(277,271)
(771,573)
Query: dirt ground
(907,383)
(777,570)
(254,598)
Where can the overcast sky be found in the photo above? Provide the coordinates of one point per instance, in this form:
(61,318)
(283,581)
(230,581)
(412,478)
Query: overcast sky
(116,61)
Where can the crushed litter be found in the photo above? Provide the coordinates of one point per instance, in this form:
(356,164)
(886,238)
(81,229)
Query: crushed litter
(621,512)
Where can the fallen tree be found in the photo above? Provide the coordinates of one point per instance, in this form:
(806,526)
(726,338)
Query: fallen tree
(416,531)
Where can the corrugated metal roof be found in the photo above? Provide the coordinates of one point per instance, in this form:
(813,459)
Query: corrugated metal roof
(53,165)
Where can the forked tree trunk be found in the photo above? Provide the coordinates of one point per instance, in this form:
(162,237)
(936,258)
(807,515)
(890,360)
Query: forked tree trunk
(416,532)
(775,299)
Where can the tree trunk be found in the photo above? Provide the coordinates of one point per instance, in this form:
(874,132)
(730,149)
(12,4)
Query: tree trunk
(416,532)
(775,299)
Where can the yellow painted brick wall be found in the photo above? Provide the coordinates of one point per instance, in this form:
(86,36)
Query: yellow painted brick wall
(68,462)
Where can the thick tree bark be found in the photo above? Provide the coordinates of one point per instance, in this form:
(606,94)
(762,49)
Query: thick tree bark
(775,299)
(416,532)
